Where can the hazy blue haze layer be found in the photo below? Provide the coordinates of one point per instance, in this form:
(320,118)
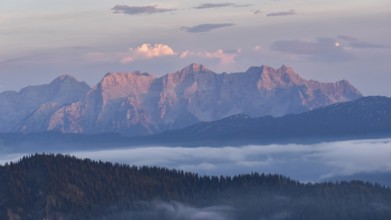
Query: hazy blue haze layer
(314,162)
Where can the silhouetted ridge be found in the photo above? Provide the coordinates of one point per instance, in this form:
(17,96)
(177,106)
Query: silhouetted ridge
(195,68)
(64,187)
(367,117)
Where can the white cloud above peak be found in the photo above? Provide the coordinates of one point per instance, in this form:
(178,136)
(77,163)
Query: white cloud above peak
(147,51)
(225,58)
(150,51)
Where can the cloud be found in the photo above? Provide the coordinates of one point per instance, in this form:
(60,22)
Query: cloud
(218,5)
(282,13)
(257,48)
(257,12)
(224,57)
(367,45)
(147,51)
(134,10)
(176,210)
(350,157)
(322,49)
(144,51)
(356,44)
(323,160)
(205,27)
(346,38)
(158,209)
(150,51)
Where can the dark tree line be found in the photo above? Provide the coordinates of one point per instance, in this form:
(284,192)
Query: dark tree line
(64,187)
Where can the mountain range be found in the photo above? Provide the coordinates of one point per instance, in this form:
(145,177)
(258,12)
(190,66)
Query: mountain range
(140,104)
(364,118)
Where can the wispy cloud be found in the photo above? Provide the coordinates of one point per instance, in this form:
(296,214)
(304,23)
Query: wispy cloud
(323,160)
(357,44)
(257,12)
(205,27)
(320,160)
(224,57)
(346,38)
(257,48)
(157,209)
(150,51)
(367,45)
(282,13)
(219,5)
(176,210)
(144,51)
(322,49)
(134,10)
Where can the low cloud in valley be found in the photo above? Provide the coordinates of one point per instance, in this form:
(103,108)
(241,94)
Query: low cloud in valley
(311,162)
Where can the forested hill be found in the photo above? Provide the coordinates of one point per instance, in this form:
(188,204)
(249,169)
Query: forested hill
(64,187)
(368,117)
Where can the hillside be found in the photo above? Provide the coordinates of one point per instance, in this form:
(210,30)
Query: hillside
(367,117)
(64,187)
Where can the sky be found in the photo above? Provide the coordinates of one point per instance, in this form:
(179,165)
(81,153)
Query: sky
(324,40)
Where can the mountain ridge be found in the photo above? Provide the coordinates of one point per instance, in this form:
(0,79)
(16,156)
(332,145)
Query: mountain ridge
(17,106)
(138,103)
(364,117)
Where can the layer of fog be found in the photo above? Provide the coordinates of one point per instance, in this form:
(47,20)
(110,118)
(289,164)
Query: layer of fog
(303,162)
(174,210)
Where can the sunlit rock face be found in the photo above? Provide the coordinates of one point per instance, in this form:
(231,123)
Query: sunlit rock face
(29,109)
(138,103)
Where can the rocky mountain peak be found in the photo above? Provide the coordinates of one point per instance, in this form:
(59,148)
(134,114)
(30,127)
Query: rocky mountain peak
(115,85)
(189,72)
(270,78)
(65,77)
(65,82)
(195,68)
(124,79)
(347,88)
(270,72)
(254,69)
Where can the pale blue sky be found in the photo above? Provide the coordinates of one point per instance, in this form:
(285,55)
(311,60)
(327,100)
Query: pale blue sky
(322,40)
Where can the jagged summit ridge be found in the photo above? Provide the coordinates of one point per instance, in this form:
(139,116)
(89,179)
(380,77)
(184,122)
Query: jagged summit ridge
(138,103)
(195,68)
(31,107)
(65,77)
